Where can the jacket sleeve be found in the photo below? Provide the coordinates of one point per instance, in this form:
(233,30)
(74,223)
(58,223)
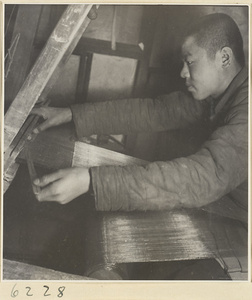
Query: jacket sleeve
(136,115)
(216,169)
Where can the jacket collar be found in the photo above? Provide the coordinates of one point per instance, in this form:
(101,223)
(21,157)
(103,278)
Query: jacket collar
(238,80)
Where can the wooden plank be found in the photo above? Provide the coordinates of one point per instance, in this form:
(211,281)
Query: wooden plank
(73,21)
(104,47)
(25,27)
(14,270)
(56,149)
(64,60)
(92,156)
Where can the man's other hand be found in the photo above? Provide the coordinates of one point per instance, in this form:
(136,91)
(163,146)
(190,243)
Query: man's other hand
(53,116)
(64,185)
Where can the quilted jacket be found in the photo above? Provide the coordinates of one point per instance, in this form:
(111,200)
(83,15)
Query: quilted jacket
(217,171)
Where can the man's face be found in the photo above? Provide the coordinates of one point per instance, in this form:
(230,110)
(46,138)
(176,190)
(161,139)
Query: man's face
(203,74)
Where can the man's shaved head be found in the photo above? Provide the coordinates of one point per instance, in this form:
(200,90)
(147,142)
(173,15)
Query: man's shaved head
(216,31)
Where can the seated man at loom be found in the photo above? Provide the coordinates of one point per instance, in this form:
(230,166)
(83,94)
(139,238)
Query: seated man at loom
(217,82)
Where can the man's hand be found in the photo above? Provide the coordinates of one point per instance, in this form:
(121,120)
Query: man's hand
(53,117)
(64,185)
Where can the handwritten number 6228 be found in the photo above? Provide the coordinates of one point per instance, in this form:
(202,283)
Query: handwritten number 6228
(15,291)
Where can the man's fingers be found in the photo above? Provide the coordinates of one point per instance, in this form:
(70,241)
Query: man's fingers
(64,185)
(47,179)
(52,116)
(36,111)
(53,192)
(39,111)
(43,126)
(47,194)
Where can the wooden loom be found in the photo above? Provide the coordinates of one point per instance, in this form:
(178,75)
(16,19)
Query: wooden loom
(115,238)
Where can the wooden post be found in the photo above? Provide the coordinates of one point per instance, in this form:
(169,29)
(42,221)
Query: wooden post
(150,17)
(147,35)
(83,76)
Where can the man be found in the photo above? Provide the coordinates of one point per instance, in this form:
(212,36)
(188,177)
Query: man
(214,73)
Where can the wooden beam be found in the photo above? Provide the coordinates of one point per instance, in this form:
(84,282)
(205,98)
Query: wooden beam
(55,54)
(91,156)
(104,47)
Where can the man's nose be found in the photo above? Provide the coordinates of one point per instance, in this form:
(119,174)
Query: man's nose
(185,72)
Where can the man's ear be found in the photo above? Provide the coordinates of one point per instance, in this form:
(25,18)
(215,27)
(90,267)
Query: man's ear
(226,56)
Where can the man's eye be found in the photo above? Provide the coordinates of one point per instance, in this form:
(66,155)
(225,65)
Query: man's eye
(189,62)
